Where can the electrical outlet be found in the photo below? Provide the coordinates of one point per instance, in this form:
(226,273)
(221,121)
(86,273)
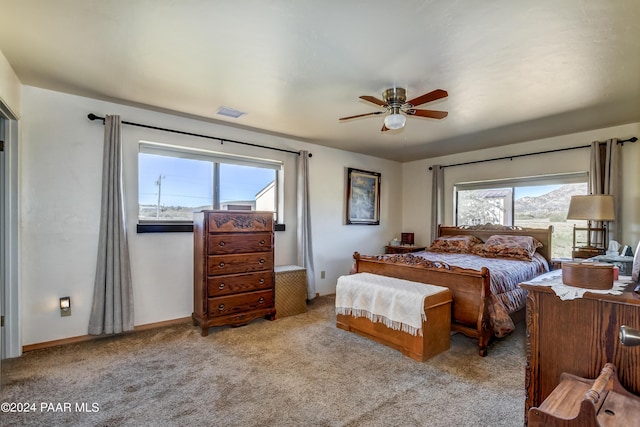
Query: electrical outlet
(322,274)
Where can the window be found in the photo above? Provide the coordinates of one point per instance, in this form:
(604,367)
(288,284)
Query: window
(174,182)
(527,202)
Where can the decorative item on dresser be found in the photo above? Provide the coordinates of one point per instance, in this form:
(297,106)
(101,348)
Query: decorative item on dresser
(407,239)
(578,336)
(233,278)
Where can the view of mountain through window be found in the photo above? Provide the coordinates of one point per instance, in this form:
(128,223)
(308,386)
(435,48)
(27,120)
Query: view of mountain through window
(526,206)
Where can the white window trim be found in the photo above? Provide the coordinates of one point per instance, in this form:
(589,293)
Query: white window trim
(529,181)
(563,178)
(161,149)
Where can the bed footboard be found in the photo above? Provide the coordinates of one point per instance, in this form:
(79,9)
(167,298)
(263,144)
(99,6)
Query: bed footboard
(469,288)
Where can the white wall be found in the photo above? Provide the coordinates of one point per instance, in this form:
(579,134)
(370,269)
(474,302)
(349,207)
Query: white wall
(9,87)
(60,170)
(417,177)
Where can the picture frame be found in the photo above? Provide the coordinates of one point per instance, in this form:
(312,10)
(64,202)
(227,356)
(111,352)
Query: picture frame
(363,197)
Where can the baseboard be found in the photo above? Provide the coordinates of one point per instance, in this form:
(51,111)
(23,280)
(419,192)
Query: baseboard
(82,338)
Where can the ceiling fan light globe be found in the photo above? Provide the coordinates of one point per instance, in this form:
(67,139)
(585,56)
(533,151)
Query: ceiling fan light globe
(395,121)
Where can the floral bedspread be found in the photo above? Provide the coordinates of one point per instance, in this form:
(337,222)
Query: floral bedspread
(505,275)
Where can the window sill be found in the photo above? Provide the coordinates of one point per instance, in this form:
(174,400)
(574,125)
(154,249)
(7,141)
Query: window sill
(179,228)
(165,228)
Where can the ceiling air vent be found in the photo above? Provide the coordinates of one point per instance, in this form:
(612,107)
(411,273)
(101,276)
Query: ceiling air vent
(230,112)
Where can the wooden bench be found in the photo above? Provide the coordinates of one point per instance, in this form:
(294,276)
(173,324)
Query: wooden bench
(435,331)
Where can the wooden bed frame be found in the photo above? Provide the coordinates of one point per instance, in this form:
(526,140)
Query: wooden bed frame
(470,288)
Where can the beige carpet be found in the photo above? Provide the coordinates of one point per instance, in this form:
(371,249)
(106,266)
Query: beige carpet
(295,371)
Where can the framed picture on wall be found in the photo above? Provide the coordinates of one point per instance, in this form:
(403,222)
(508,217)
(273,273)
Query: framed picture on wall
(363,197)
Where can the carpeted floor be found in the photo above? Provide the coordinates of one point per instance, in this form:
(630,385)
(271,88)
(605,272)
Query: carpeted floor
(295,371)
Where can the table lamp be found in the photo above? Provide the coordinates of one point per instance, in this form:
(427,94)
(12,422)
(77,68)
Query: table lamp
(591,208)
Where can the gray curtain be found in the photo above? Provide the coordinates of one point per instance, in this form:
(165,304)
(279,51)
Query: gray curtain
(305,256)
(112,310)
(437,199)
(605,177)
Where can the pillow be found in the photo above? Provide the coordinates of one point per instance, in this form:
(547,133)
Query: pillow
(507,246)
(454,244)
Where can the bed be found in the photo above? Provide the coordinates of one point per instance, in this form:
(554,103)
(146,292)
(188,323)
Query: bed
(485,304)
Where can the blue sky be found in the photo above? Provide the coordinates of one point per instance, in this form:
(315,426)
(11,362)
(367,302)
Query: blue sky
(187,182)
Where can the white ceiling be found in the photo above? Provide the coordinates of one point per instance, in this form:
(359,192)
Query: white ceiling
(515,70)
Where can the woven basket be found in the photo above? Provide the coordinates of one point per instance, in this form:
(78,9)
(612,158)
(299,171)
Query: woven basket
(291,290)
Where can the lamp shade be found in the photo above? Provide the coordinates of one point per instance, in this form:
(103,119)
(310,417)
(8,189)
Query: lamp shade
(594,208)
(394,121)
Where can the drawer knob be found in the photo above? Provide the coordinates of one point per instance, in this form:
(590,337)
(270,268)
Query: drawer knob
(221,307)
(261,300)
(221,286)
(261,280)
(262,261)
(221,265)
(221,244)
(262,242)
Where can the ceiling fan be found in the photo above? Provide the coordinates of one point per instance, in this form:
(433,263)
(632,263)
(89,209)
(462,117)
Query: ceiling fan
(395,102)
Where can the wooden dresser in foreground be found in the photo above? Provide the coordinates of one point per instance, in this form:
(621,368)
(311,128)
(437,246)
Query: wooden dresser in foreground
(578,337)
(233,277)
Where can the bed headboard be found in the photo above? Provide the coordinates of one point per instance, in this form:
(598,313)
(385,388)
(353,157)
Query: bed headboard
(483,232)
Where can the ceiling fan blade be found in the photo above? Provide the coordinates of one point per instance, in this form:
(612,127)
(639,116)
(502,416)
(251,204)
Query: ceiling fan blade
(384,128)
(428,97)
(432,114)
(361,115)
(374,100)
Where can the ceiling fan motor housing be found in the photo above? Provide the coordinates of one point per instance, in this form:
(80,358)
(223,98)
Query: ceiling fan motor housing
(395,97)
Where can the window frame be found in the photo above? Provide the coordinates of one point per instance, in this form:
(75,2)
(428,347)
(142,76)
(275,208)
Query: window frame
(215,157)
(513,183)
(530,181)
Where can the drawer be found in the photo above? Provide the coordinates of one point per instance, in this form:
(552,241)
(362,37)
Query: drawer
(235,283)
(238,222)
(235,243)
(240,303)
(239,263)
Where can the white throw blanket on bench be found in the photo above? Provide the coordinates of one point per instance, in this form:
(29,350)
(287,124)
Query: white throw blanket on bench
(397,303)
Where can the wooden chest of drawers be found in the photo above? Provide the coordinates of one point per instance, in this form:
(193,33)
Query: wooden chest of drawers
(233,277)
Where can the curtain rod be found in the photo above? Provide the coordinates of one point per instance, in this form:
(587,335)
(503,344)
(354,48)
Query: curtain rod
(92,117)
(621,142)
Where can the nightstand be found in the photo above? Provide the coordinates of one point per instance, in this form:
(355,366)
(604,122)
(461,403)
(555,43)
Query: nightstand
(624,263)
(556,263)
(403,249)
